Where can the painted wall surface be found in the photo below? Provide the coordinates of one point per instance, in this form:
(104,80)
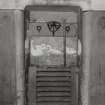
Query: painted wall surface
(20,4)
(93,58)
(7,58)
(98,4)
(85,4)
(11,59)
(97,61)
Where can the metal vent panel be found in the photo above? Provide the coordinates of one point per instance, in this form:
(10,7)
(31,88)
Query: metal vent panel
(51,86)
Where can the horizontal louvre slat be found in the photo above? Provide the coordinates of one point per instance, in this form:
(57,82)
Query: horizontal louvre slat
(43,102)
(69,91)
(54,94)
(54,79)
(54,74)
(54,83)
(53,103)
(54,71)
(53,99)
(53,88)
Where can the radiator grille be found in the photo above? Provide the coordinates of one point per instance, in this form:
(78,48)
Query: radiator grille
(54,87)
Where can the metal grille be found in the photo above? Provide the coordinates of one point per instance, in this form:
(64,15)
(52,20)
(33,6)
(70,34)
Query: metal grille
(54,87)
